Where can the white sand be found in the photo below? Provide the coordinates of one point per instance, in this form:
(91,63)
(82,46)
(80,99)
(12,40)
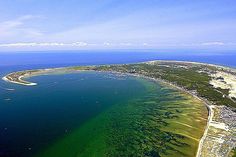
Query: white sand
(20,78)
(229,82)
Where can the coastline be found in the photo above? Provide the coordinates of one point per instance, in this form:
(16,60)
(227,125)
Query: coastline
(208,104)
(20,78)
(37,72)
(200,145)
(51,70)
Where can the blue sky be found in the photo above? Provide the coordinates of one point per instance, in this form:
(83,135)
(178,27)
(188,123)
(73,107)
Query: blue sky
(117,24)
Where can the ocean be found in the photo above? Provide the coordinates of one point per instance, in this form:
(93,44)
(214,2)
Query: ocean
(66,58)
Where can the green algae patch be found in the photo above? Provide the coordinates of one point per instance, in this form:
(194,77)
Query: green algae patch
(161,122)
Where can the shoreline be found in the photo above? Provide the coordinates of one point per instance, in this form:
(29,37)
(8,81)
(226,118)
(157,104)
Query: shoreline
(208,104)
(48,70)
(29,83)
(210,117)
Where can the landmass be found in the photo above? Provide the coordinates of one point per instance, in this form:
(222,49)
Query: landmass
(212,84)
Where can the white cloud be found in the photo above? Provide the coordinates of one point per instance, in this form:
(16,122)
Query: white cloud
(10,24)
(215,43)
(72,45)
(119,45)
(27,17)
(45,44)
(107,44)
(17,28)
(126,44)
(145,44)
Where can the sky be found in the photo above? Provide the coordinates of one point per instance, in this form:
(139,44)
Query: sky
(117,24)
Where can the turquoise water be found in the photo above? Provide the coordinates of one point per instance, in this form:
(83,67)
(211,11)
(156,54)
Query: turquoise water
(32,118)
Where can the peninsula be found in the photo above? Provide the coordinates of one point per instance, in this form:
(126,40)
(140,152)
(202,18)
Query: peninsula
(212,84)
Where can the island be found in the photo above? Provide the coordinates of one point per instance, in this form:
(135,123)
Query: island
(212,84)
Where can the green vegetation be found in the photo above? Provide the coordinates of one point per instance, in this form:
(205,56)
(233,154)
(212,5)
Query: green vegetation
(233,152)
(183,75)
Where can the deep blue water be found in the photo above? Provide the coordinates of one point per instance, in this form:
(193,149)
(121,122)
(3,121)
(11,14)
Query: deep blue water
(66,58)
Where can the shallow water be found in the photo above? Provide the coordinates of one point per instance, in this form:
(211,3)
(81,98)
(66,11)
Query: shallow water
(101,114)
